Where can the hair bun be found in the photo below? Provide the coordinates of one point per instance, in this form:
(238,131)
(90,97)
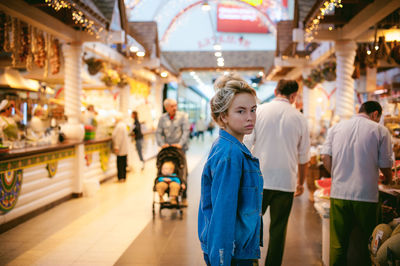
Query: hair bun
(221,82)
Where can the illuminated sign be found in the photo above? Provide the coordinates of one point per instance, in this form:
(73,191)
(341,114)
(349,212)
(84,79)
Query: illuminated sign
(254,2)
(232,18)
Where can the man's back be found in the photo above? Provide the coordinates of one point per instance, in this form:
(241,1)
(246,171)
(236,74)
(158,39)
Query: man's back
(282,142)
(359,147)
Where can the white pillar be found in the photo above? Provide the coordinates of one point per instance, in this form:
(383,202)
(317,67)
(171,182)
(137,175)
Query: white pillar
(73,129)
(345,54)
(309,103)
(124,101)
(73,89)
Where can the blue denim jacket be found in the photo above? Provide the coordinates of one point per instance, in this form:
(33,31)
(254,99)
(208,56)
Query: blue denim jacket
(230,219)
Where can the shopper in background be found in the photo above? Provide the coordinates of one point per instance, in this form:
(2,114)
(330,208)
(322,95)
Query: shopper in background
(353,152)
(89,116)
(8,121)
(211,127)
(173,127)
(138,135)
(229,222)
(37,125)
(200,128)
(281,142)
(120,146)
(173,130)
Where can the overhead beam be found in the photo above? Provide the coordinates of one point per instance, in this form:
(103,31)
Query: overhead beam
(323,52)
(290,62)
(359,25)
(369,16)
(40,20)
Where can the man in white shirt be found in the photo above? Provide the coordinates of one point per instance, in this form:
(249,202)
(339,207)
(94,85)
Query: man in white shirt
(280,140)
(353,152)
(120,145)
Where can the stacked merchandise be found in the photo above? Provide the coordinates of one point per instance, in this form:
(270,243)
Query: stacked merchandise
(384,244)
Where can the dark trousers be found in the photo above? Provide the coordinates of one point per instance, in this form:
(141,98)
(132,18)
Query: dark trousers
(235,262)
(139,146)
(121,167)
(280,204)
(344,215)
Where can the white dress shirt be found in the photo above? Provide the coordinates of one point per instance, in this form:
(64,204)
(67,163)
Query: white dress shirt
(358,146)
(280,140)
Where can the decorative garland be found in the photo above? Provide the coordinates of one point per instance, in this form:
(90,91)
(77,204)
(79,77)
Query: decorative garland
(104,150)
(21,163)
(52,168)
(104,158)
(326,72)
(10,187)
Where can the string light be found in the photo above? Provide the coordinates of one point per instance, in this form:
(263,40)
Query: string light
(325,9)
(78,17)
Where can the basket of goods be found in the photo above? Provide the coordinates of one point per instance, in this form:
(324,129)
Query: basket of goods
(309,82)
(94,65)
(90,132)
(111,77)
(123,81)
(328,71)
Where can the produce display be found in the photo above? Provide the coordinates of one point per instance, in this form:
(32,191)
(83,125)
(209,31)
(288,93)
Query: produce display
(384,244)
(323,188)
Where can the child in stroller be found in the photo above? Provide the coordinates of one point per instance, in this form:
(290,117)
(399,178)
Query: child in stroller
(171,178)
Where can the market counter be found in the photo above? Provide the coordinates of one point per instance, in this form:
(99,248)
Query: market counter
(34,179)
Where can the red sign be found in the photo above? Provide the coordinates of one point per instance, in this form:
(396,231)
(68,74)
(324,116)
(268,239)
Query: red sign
(231,18)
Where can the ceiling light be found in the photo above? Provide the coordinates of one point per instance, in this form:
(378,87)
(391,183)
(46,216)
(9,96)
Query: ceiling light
(218,54)
(164,74)
(220,59)
(140,54)
(205,6)
(134,49)
(261,73)
(220,63)
(217,47)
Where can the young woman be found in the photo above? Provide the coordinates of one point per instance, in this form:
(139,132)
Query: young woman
(229,221)
(137,132)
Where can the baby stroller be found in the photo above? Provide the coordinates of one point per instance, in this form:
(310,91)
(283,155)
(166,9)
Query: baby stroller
(177,157)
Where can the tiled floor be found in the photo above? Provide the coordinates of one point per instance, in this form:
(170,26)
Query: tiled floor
(116,226)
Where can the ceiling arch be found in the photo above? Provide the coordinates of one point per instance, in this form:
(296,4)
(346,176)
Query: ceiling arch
(269,23)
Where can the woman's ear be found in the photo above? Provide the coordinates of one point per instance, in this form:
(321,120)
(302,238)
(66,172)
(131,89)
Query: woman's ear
(223,118)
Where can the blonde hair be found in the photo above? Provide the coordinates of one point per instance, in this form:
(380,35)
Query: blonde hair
(226,88)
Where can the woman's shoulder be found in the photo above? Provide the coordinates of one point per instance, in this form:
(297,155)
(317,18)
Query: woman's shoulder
(224,150)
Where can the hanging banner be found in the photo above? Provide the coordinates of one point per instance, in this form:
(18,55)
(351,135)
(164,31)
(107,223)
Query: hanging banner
(233,18)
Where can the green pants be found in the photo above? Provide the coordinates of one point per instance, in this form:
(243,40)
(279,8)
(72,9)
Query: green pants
(280,204)
(344,215)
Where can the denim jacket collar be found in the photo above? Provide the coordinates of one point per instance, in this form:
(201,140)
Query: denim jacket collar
(225,135)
